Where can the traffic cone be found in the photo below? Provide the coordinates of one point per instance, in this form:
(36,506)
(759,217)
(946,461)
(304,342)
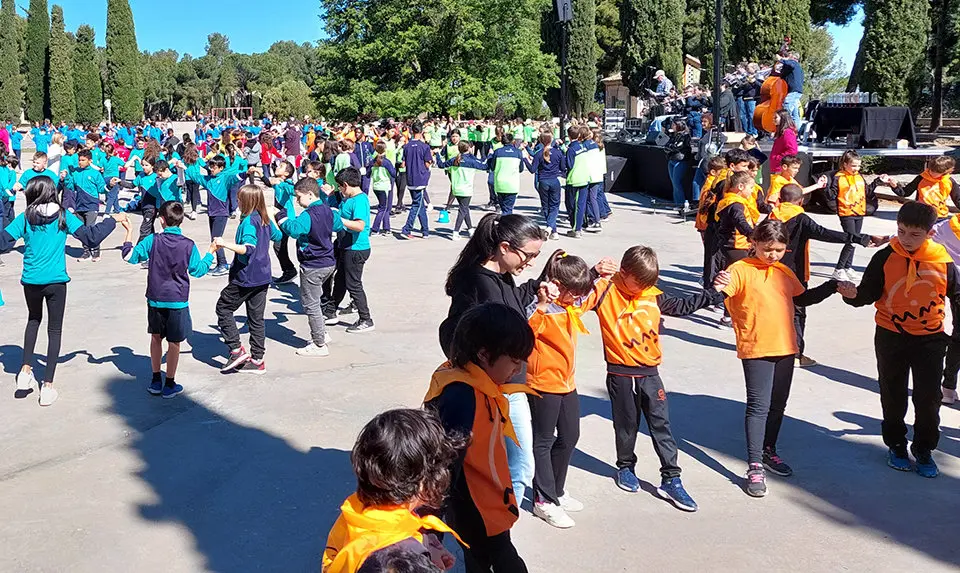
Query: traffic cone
(444,216)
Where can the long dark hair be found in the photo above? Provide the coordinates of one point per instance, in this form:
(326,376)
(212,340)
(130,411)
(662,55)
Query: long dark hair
(570,272)
(515,230)
(786,122)
(40,191)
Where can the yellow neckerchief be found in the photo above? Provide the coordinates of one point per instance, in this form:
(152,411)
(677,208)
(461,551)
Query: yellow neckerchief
(785,211)
(955,225)
(758,264)
(943,182)
(475,377)
(634,300)
(929,252)
(574,313)
(360,531)
(749,207)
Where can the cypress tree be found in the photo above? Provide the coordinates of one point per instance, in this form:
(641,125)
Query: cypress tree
(652,36)
(63,106)
(758,28)
(11,82)
(37,41)
(582,56)
(124,85)
(86,77)
(894,42)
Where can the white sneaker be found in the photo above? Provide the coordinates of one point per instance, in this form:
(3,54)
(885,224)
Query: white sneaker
(839,275)
(313,350)
(949,396)
(48,394)
(25,381)
(455,236)
(570,504)
(553,514)
(852,276)
(327,339)
(470,232)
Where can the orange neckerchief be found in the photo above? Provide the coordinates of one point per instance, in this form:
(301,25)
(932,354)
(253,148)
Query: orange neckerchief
(359,531)
(786,211)
(929,252)
(634,304)
(955,225)
(574,314)
(856,189)
(943,182)
(478,379)
(749,207)
(769,269)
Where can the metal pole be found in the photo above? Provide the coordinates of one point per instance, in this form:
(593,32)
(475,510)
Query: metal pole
(563,79)
(717,59)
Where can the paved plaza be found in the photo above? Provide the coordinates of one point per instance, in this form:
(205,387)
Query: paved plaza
(246,473)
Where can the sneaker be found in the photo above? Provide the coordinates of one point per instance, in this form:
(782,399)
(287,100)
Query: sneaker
(575,234)
(237,357)
(595,228)
(672,490)
(717,308)
(455,236)
(48,394)
(756,481)
(805,361)
(25,381)
(253,367)
(349,309)
(949,396)
(155,388)
(726,322)
(899,460)
(852,276)
(627,480)
(313,350)
(331,319)
(553,514)
(327,339)
(470,232)
(839,275)
(84,259)
(405,236)
(172,391)
(145,265)
(926,467)
(361,326)
(554,236)
(95,259)
(773,463)
(219,271)
(286,277)
(191,215)
(570,504)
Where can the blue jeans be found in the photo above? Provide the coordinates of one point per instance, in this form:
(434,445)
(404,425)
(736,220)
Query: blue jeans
(605,210)
(577,205)
(550,201)
(520,458)
(593,212)
(417,211)
(699,178)
(746,109)
(232,198)
(677,170)
(695,122)
(506,202)
(792,105)
(113,200)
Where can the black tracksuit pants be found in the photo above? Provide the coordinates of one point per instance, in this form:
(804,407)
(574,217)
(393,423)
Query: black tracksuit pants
(631,396)
(551,413)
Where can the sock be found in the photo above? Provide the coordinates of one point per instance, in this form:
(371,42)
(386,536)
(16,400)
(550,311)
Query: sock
(156,377)
(171,382)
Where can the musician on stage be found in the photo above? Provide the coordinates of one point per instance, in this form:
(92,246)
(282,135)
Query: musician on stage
(664,85)
(792,74)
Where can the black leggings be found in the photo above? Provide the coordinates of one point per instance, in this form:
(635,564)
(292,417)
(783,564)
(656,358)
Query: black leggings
(854,225)
(551,413)
(463,214)
(768,387)
(401,187)
(282,250)
(56,297)
(193,193)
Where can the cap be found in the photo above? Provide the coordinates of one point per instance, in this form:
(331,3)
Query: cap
(659,73)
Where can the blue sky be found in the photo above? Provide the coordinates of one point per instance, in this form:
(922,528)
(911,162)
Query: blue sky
(252,25)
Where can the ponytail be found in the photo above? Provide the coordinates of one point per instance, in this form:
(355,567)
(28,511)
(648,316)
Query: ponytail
(547,140)
(493,229)
(570,272)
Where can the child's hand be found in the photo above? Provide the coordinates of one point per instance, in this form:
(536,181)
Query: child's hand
(550,291)
(121,218)
(272,212)
(438,553)
(327,189)
(114,181)
(878,240)
(722,280)
(887,180)
(606,267)
(213,248)
(847,289)
(822,182)
(219,242)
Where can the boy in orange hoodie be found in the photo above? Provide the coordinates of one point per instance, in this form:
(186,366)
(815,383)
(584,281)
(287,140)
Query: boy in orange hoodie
(934,186)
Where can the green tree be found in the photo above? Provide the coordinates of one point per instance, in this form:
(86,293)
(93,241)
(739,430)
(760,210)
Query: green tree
(944,41)
(292,98)
(825,73)
(652,37)
(37,41)
(894,41)
(839,12)
(124,85)
(608,36)
(159,73)
(758,28)
(11,82)
(63,105)
(582,56)
(86,77)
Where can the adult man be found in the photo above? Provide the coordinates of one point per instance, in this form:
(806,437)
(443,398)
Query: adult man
(664,85)
(792,74)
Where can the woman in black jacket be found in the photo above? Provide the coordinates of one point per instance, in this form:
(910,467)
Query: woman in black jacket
(680,154)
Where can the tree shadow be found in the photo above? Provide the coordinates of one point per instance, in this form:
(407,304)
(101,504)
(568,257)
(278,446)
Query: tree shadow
(250,499)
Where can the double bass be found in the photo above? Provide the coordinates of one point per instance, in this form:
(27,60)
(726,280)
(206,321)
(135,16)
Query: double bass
(773,92)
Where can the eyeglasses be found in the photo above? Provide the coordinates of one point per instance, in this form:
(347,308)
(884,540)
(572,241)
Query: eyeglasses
(525,257)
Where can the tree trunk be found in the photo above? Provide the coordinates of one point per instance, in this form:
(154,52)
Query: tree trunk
(857,69)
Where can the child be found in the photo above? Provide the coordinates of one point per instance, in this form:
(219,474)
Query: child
(578,179)
(907,339)
(402,461)
(44,226)
(68,164)
(110,168)
(353,248)
(283,195)
(249,280)
(88,185)
(417,158)
(629,305)
(547,164)
(193,178)
(8,193)
(489,346)
(312,230)
(506,164)
(761,295)
(218,181)
(736,160)
(461,170)
(947,233)
(39,168)
(854,199)
(736,216)
(382,176)
(176,259)
(933,186)
(716,171)
(789,167)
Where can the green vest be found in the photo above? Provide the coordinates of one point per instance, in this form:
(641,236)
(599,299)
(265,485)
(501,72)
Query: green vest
(579,175)
(340,162)
(461,181)
(380,178)
(452,151)
(506,175)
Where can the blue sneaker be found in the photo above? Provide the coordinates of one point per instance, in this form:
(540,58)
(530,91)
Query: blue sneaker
(220,271)
(926,467)
(672,489)
(899,461)
(172,391)
(627,480)
(155,388)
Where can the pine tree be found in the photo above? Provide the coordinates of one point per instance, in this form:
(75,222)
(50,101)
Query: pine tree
(652,38)
(582,56)
(758,28)
(944,40)
(63,106)
(11,82)
(86,78)
(123,84)
(37,41)
(894,42)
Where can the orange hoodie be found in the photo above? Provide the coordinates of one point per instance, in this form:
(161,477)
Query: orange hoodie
(935,191)
(551,365)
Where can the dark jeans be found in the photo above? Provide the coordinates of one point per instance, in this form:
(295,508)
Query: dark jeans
(113,200)
(492,554)
(89,219)
(149,214)
(382,218)
(193,194)
(349,278)
(899,355)
(952,366)
(551,413)
(255,299)
(576,203)
(55,296)
(631,396)
(506,202)
(232,197)
(463,214)
(593,211)
(417,211)
(851,224)
(800,324)
(9,214)
(401,187)
(493,194)
(218,225)
(768,383)
(550,201)
(282,249)
(678,171)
